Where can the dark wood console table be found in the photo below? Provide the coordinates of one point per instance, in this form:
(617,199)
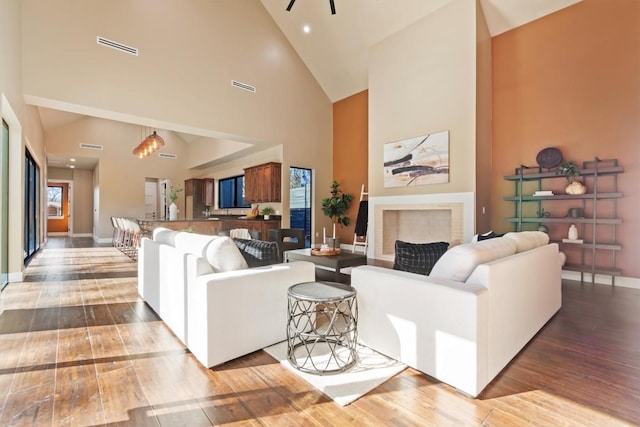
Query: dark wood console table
(335,262)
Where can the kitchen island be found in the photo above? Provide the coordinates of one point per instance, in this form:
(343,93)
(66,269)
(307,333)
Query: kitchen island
(219,224)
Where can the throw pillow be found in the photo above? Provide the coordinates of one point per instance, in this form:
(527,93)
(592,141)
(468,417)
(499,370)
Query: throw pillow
(489,235)
(224,255)
(460,261)
(526,240)
(418,257)
(258,253)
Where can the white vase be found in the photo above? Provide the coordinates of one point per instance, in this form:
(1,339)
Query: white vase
(573,232)
(173,212)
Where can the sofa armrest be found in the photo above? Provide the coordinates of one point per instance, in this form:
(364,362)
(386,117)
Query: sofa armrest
(525,291)
(149,272)
(237,312)
(428,323)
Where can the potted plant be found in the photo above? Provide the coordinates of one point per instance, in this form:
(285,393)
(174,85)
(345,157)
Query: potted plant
(570,171)
(173,196)
(267,211)
(335,207)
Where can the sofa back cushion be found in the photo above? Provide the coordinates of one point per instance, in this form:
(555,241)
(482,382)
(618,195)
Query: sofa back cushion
(224,255)
(258,253)
(526,240)
(418,257)
(193,243)
(459,262)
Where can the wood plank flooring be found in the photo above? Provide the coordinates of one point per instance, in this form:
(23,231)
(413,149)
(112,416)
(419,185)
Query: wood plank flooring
(79,348)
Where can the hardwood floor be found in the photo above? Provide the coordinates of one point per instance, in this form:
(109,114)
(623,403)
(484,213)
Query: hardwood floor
(79,348)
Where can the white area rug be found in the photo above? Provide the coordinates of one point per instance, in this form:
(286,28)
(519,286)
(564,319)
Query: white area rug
(371,370)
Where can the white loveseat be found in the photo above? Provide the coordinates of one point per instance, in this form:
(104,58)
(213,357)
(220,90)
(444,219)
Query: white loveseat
(202,288)
(462,324)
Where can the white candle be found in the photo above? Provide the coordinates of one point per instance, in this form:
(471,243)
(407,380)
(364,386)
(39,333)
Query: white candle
(334,230)
(324,236)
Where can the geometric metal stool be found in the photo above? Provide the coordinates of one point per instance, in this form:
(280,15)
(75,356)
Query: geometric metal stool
(322,329)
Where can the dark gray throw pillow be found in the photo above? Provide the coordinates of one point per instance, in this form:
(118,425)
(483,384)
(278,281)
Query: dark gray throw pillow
(258,253)
(418,257)
(489,235)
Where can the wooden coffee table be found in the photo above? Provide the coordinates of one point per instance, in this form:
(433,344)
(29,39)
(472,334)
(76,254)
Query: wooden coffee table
(335,262)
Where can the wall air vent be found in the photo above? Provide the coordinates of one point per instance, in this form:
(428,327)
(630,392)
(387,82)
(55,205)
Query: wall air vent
(117,46)
(167,156)
(91,146)
(244,86)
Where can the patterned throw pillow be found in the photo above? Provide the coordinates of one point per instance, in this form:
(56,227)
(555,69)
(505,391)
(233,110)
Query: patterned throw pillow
(258,253)
(418,257)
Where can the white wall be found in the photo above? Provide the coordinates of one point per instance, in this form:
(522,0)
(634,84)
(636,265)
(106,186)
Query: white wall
(423,80)
(181,79)
(24,128)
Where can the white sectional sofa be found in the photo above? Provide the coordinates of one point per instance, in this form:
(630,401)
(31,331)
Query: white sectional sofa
(203,289)
(462,324)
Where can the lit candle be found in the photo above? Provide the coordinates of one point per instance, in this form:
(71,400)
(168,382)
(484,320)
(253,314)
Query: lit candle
(334,230)
(324,236)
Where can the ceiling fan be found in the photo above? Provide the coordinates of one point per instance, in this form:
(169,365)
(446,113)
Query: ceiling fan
(333,6)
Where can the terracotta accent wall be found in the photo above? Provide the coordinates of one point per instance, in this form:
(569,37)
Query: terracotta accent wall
(483,124)
(571,80)
(350,154)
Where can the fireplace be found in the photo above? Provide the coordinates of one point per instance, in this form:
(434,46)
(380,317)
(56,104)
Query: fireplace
(419,218)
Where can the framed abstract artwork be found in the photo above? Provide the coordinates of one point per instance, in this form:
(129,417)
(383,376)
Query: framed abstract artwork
(417,161)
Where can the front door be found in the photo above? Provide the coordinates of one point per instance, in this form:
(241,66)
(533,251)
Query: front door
(58,208)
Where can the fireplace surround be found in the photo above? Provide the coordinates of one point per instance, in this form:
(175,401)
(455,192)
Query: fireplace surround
(420,218)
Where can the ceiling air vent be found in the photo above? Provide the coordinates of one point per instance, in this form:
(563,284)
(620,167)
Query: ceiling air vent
(244,86)
(91,146)
(117,46)
(167,156)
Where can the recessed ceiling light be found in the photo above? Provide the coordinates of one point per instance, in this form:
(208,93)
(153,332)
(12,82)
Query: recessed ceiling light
(72,160)
(306,29)
(72,167)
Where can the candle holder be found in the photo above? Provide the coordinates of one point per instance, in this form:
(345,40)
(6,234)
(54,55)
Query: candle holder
(333,242)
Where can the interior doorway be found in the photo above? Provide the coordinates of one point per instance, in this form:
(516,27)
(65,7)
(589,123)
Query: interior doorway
(151,199)
(59,208)
(300,205)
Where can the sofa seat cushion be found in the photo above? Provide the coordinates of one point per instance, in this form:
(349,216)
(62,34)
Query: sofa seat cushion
(258,253)
(418,257)
(527,240)
(224,255)
(459,262)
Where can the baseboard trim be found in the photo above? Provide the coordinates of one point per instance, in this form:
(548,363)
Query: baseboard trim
(601,279)
(16,277)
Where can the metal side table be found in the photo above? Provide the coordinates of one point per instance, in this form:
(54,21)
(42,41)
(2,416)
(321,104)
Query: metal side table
(322,331)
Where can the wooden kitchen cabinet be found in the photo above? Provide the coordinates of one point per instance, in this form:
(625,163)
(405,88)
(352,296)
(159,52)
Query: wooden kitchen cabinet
(199,193)
(262,183)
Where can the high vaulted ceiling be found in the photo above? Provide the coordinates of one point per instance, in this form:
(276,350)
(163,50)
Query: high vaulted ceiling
(336,48)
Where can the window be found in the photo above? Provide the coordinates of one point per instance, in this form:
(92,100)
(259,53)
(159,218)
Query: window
(231,193)
(300,201)
(54,201)
(31,207)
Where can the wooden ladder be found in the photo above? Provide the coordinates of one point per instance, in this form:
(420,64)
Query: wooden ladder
(362,241)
